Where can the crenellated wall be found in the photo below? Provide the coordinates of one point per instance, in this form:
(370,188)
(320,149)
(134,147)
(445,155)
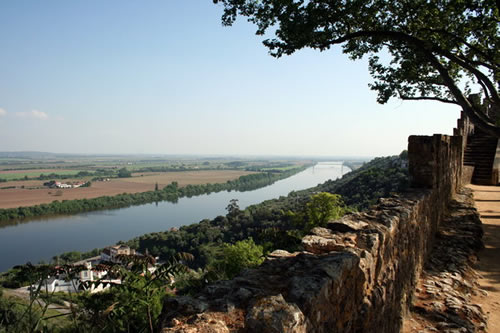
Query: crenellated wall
(355,275)
(464,129)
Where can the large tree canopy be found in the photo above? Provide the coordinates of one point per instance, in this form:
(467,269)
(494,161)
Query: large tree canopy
(443,50)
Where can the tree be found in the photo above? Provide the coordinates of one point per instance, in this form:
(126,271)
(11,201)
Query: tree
(242,254)
(444,51)
(233,209)
(323,207)
(124,173)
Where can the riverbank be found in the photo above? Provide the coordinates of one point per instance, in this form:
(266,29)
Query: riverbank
(30,193)
(170,193)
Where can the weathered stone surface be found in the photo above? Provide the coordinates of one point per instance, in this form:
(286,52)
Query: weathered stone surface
(346,225)
(204,323)
(328,243)
(273,314)
(187,305)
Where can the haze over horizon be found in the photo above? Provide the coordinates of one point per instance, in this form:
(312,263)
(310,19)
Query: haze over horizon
(165,77)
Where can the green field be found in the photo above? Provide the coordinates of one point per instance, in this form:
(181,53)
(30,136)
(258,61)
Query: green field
(284,168)
(33,174)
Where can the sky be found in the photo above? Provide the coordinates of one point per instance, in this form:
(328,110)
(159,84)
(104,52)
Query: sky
(165,77)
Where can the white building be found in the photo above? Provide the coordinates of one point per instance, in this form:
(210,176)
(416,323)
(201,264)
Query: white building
(60,283)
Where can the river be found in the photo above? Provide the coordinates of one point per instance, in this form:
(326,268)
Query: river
(43,238)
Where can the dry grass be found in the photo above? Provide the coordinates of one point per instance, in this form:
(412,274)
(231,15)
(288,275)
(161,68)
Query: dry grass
(12,198)
(186,177)
(25,183)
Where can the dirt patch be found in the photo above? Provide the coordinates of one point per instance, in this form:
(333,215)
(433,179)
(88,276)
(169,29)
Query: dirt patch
(12,198)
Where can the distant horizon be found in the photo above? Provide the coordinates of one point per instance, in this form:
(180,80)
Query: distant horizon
(158,155)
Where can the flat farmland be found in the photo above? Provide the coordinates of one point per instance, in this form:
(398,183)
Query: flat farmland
(140,182)
(186,177)
(18,174)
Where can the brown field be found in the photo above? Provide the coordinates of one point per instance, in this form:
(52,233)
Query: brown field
(25,183)
(185,177)
(16,197)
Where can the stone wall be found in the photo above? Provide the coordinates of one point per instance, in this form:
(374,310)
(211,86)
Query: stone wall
(355,275)
(465,128)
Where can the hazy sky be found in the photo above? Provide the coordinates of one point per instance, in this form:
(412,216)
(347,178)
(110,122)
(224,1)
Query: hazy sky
(167,77)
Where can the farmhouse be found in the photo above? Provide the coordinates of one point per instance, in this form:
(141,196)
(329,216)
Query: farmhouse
(112,253)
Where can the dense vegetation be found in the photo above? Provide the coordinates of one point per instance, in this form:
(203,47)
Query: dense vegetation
(371,181)
(170,193)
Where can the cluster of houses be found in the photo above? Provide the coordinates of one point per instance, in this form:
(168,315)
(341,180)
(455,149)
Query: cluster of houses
(56,184)
(60,283)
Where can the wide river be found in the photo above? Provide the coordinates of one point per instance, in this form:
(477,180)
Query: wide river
(43,238)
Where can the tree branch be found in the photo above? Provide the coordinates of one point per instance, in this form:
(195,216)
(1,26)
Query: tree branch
(477,117)
(418,98)
(463,41)
(481,77)
(421,45)
(485,65)
(485,90)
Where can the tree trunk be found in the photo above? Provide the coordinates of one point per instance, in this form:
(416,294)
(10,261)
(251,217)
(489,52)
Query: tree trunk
(482,122)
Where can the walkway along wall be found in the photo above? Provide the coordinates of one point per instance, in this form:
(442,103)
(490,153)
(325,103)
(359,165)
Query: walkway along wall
(356,275)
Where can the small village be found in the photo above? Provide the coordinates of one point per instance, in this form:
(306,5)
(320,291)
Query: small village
(56,184)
